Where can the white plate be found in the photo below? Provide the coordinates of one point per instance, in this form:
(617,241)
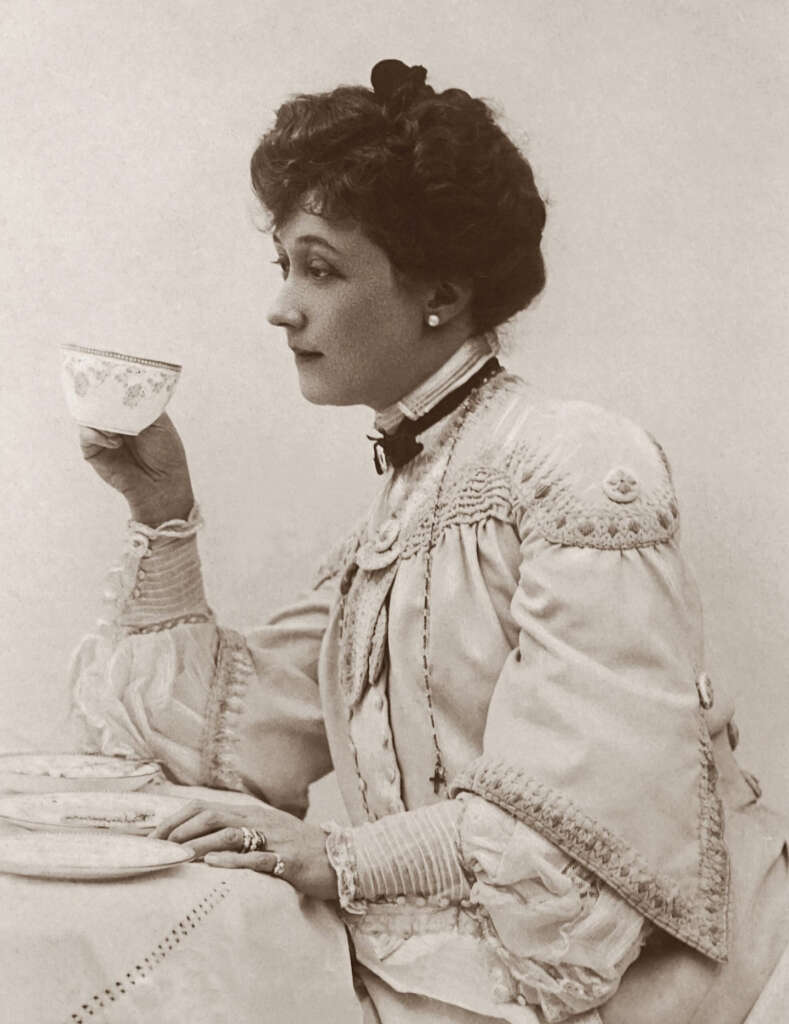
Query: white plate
(58,773)
(132,813)
(88,855)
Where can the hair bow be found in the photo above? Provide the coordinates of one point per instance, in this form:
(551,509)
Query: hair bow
(390,75)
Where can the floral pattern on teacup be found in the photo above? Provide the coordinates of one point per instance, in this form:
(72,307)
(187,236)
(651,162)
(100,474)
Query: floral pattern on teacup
(92,372)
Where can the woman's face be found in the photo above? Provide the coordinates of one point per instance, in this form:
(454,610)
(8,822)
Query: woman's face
(356,329)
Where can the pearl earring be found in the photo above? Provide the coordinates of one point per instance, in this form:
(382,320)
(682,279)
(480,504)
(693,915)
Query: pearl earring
(433,320)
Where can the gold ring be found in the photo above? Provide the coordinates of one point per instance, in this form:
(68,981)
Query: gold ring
(279,867)
(258,840)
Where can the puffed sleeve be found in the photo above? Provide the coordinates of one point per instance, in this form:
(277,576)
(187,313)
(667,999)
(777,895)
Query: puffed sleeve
(595,735)
(159,678)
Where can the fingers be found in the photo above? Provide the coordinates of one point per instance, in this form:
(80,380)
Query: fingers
(267,863)
(226,840)
(94,441)
(168,826)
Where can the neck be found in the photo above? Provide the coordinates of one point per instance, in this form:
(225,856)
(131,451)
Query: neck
(435,346)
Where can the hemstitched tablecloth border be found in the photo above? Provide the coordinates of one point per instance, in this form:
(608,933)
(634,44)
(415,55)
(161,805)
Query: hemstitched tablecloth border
(141,970)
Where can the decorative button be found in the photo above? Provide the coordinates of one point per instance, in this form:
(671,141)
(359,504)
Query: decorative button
(704,690)
(379,702)
(733,733)
(386,535)
(620,485)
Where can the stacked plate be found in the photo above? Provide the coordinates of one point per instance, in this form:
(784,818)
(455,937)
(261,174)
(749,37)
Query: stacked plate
(91,819)
(59,773)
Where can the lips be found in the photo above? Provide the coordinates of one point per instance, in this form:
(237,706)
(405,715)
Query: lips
(304,354)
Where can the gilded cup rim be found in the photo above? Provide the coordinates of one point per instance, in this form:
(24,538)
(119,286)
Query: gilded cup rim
(123,356)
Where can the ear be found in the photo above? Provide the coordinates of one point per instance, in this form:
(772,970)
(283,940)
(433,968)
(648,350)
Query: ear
(448,300)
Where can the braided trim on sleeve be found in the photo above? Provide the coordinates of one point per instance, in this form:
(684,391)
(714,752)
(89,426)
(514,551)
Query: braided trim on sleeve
(699,920)
(224,708)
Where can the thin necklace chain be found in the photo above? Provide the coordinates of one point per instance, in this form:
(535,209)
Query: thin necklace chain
(439,776)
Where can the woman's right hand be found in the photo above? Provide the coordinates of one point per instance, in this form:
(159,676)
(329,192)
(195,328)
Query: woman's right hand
(149,470)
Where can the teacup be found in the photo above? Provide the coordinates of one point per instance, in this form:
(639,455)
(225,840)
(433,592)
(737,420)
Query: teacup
(115,392)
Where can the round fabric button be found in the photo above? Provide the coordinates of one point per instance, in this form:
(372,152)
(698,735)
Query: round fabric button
(704,690)
(386,535)
(621,486)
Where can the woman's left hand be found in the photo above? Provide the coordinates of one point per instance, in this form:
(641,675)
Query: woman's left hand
(215,833)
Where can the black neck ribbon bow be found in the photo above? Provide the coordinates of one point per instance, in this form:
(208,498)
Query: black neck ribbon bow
(399,447)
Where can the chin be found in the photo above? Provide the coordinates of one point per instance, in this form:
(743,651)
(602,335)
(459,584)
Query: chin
(318,393)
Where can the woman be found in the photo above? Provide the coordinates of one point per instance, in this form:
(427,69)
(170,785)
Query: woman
(503,661)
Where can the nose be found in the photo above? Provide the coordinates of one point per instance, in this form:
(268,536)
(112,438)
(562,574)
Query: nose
(285,312)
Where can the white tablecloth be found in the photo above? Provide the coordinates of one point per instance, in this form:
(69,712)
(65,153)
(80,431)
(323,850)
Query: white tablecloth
(190,945)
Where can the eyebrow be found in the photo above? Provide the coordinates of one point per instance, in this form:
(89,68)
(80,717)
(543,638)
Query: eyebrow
(309,240)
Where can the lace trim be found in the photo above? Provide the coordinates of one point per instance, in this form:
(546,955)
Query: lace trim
(529,981)
(159,627)
(224,707)
(404,917)
(700,921)
(339,850)
(338,558)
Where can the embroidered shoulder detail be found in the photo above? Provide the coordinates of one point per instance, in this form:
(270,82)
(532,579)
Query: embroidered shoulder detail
(224,706)
(481,491)
(699,919)
(584,477)
(577,474)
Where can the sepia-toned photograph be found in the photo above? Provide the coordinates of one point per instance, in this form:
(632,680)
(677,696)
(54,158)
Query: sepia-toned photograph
(395,440)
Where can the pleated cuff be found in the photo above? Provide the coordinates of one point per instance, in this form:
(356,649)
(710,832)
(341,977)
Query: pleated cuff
(414,853)
(160,582)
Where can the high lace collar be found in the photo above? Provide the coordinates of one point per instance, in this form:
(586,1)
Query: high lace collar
(462,364)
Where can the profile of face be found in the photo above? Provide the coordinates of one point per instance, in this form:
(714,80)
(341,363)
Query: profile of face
(355,326)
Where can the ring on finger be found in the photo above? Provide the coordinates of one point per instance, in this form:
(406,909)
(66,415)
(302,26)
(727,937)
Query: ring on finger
(279,867)
(253,839)
(258,840)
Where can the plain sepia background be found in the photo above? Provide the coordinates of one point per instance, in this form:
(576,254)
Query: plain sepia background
(658,133)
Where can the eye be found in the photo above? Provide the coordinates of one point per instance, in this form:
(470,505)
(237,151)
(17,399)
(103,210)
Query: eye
(283,263)
(319,270)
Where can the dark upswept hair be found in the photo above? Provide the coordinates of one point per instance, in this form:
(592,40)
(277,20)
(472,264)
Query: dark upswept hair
(429,176)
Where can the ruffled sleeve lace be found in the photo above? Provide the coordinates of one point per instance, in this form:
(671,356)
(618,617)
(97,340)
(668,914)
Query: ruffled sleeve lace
(159,678)
(555,936)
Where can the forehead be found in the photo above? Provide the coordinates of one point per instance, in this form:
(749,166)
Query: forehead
(346,236)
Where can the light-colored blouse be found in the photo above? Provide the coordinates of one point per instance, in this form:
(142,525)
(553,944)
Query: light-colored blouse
(503,664)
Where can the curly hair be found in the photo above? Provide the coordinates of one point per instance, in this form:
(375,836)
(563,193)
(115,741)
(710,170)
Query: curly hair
(429,176)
